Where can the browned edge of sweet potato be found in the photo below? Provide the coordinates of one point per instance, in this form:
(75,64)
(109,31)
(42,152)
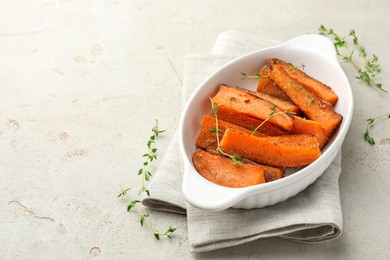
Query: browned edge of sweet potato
(281,151)
(320,89)
(309,103)
(220,170)
(252,106)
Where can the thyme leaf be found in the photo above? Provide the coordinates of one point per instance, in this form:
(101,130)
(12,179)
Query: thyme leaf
(133,205)
(146,175)
(366,73)
(272,115)
(235,157)
(371,121)
(150,156)
(256,76)
(371,67)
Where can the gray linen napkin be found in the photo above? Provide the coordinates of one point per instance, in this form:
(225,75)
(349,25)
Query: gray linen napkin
(313,215)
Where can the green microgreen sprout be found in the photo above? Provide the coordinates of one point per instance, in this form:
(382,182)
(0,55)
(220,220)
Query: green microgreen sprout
(236,159)
(371,122)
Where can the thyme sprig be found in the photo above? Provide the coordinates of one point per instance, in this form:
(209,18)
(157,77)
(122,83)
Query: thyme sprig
(302,66)
(371,67)
(146,175)
(143,217)
(371,122)
(259,76)
(150,156)
(272,115)
(256,76)
(367,73)
(234,157)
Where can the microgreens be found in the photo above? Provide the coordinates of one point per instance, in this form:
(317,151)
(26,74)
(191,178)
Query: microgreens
(235,157)
(371,122)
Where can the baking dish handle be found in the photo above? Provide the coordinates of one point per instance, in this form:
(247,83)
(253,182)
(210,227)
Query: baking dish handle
(206,195)
(315,42)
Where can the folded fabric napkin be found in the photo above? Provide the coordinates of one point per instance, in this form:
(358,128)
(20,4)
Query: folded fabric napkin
(313,215)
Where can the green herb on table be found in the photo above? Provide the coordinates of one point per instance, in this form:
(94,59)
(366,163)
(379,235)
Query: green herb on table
(150,156)
(235,157)
(370,68)
(366,73)
(146,175)
(143,217)
(371,122)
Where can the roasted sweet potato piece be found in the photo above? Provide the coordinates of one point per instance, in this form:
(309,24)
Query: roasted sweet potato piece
(207,136)
(220,170)
(310,127)
(252,106)
(282,151)
(267,86)
(281,103)
(314,107)
(320,89)
(248,122)
(270,173)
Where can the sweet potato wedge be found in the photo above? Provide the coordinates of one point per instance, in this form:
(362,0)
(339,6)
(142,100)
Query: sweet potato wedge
(282,151)
(281,103)
(320,89)
(267,86)
(310,127)
(270,173)
(207,138)
(252,106)
(220,170)
(314,107)
(248,122)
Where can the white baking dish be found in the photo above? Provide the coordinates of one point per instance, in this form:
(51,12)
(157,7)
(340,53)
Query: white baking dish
(318,55)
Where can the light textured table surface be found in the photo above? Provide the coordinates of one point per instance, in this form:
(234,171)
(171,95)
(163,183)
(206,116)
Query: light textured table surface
(81,83)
